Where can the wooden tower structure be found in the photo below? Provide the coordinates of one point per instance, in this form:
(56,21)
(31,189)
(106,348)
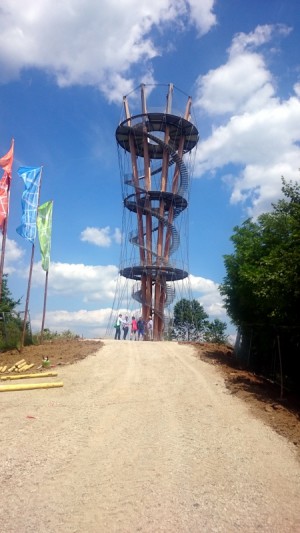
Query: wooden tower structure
(155,194)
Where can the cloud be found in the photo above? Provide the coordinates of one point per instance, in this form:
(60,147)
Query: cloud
(261,35)
(82,322)
(202,15)
(242,84)
(63,318)
(265,144)
(210,296)
(257,134)
(94,283)
(297,89)
(102,237)
(95,43)
(117,236)
(13,253)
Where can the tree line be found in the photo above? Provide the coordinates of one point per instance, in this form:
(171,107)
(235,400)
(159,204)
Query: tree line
(261,293)
(261,289)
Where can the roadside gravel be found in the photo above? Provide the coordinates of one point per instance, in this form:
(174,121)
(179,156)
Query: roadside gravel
(142,437)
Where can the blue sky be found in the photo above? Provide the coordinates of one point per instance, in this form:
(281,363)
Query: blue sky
(63,73)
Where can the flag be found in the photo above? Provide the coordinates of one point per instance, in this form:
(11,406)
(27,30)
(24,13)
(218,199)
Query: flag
(44,227)
(7,160)
(4,183)
(6,163)
(30,197)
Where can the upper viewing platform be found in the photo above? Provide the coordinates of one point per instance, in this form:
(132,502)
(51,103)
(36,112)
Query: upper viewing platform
(155,126)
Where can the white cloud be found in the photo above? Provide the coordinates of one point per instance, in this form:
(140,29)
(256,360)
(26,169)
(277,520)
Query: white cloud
(261,35)
(210,296)
(117,235)
(92,282)
(202,14)
(242,84)
(204,285)
(82,322)
(13,253)
(91,43)
(97,236)
(260,140)
(297,89)
(265,143)
(102,237)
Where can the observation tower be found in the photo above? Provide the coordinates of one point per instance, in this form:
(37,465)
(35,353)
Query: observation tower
(155,182)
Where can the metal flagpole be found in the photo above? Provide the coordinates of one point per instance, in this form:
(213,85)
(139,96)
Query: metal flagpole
(27,299)
(44,307)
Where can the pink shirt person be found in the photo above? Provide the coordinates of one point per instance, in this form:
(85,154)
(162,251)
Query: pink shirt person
(133,328)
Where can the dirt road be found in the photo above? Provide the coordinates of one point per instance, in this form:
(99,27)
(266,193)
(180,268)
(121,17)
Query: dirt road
(143,437)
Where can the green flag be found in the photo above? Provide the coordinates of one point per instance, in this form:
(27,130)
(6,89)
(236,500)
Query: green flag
(44,227)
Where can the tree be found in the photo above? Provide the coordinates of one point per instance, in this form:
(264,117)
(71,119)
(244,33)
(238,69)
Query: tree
(190,320)
(216,332)
(7,304)
(10,321)
(262,283)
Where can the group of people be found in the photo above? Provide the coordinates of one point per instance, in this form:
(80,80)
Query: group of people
(138,328)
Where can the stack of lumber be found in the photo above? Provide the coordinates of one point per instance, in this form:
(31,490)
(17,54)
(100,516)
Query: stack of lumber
(19,366)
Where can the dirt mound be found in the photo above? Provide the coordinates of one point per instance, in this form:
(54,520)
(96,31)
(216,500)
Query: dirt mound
(59,352)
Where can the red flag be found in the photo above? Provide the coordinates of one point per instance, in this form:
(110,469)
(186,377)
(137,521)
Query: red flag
(7,160)
(6,163)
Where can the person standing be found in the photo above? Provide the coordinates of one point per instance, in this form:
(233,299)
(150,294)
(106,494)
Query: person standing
(150,328)
(133,328)
(118,327)
(125,328)
(141,328)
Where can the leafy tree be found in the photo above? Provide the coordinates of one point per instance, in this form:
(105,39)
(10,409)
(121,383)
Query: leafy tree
(7,303)
(190,320)
(10,321)
(262,284)
(216,332)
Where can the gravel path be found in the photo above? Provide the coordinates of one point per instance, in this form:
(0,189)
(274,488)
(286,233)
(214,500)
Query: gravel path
(143,437)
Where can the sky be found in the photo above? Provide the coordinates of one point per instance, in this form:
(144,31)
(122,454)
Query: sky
(64,70)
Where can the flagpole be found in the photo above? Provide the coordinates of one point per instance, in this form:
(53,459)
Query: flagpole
(30,276)
(44,308)
(27,298)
